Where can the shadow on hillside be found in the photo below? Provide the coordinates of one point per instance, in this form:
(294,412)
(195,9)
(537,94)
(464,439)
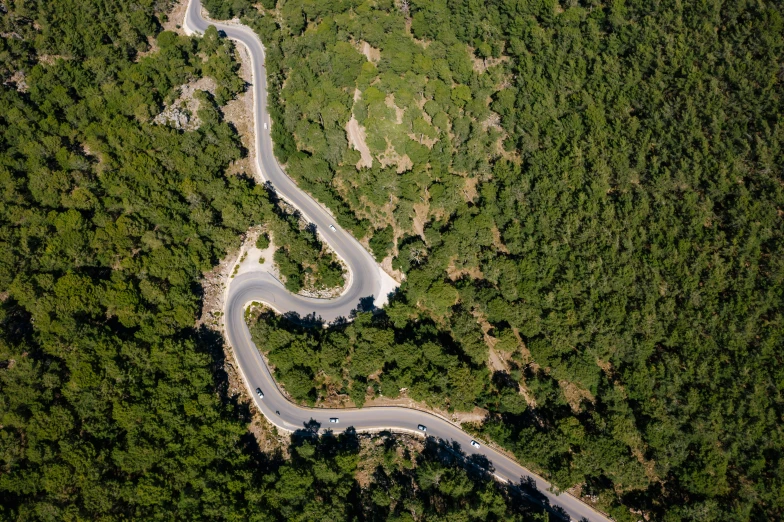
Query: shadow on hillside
(213,344)
(524,494)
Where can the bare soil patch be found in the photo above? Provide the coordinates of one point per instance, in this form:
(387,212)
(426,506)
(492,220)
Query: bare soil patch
(51,59)
(423,140)
(253,259)
(389,101)
(372,54)
(373,452)
(495,362)
(483,64)
(421,212)
(391,157)
(493,121)
(397,275)
(501,362)
(175,17)
(357,138)
(606,366)
(498,361)
(454,273)
(498,242)
(511,156)
(469,190)
(574,395)
(239,112)
(152,44)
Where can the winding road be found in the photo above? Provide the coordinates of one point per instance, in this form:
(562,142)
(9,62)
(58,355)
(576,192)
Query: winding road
(366,280)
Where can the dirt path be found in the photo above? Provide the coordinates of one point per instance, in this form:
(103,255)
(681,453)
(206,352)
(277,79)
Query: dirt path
(356,136)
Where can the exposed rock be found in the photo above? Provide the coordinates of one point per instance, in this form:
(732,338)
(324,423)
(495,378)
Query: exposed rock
(182,114)
(18,81)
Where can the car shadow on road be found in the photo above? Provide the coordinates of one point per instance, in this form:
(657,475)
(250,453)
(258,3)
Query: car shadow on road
(366,304)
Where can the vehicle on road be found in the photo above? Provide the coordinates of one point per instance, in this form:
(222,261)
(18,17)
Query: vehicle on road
(259,393)
(334,420)
(265,125)
(475,444)
(332,227)
(422,427)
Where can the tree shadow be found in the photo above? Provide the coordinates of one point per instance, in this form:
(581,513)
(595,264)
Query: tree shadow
(338,321)
(366,304)
(394,295)
(502,379)
(450,453)
(312,229)
(641,499)
(17,324)
(526,491)
(522,496)
(328,442)
(309,321)
(213,342)
(308,433)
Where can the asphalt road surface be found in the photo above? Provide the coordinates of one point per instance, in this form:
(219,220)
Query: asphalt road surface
(364,285)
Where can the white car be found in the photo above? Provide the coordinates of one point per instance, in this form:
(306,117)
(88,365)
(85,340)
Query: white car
(259,393)
(475,444)
(332,228)
(334,420)
(265,125)
(422,427)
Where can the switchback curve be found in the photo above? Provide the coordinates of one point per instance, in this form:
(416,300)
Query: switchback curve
(366,281)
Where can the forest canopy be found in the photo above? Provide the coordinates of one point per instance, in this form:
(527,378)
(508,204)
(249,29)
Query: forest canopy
(585,201)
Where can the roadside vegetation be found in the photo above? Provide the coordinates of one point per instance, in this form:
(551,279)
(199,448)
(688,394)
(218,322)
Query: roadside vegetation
(586,200)
(312,363)
(389,478)
(303,261)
